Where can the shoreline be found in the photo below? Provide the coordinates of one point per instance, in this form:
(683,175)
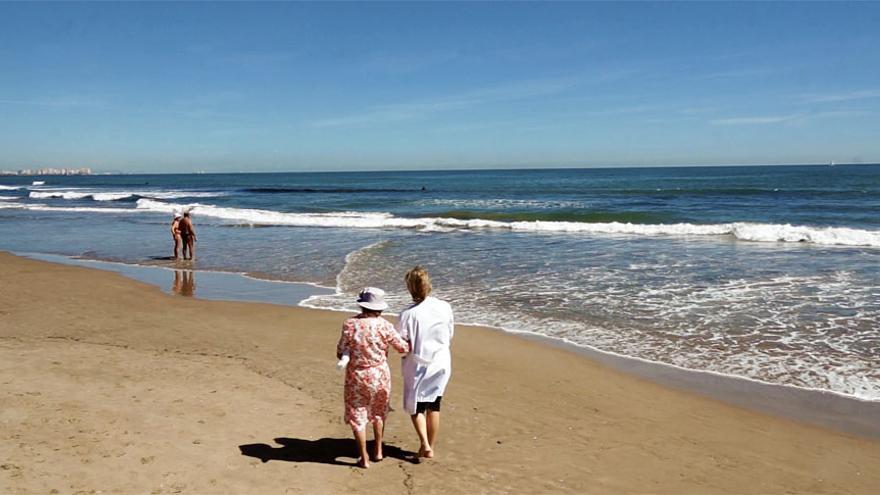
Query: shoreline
(111,384)
(824,408)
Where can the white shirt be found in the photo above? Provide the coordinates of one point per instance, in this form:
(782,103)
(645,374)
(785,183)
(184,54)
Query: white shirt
(429,327)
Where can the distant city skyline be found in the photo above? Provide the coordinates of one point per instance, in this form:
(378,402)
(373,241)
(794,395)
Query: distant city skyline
(228,87)
(48,171)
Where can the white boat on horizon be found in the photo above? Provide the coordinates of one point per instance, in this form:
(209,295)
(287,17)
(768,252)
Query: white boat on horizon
(38,183)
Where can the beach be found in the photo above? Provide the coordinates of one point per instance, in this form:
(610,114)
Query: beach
(112,385)
(763,273)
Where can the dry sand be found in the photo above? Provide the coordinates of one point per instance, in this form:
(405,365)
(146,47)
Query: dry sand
(109,385)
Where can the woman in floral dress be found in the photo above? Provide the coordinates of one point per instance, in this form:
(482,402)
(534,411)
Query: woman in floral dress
(365,340)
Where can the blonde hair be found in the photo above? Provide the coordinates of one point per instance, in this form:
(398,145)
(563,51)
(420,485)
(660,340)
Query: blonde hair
(418,282)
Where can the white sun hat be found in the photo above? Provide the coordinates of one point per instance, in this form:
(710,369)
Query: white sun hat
(372,298)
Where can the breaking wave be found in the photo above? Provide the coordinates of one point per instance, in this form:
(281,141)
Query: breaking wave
(744,231)
(757,232)
(327,190)
(120,195)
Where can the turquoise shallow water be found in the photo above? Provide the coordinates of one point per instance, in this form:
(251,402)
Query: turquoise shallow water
(768,273)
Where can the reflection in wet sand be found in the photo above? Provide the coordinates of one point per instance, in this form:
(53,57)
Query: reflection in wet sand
(184,283)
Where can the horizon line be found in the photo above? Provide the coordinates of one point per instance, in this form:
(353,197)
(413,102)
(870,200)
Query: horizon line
(501,168)
(463,169)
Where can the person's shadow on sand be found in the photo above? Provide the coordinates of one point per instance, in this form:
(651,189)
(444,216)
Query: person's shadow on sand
(324,451)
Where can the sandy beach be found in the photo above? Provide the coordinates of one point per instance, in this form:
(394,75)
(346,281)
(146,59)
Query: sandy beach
(110,385)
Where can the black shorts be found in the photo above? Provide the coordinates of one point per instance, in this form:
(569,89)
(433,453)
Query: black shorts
(421,407)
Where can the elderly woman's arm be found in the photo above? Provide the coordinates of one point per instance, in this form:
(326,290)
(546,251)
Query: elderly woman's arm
(342,345)
(396,340)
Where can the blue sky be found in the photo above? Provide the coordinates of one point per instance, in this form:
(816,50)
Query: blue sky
(334,86)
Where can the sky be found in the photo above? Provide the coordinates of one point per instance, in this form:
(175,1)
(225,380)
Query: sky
(228,87)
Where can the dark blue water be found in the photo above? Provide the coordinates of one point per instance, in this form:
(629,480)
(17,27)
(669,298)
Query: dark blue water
(769,273)
(814,195)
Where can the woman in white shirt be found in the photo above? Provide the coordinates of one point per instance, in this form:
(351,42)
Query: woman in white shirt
(428,326)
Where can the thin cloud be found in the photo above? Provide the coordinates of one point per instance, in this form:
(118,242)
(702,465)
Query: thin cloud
(756,120)
(265,58)
(417,109)
(737,74)
(56,102)
(791,118)
(845,96)
(627,110)
(391,113)
(214,53)
(696,110)
(394,63)
(204,105)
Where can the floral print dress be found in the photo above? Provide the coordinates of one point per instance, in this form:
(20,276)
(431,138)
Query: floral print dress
(367,376)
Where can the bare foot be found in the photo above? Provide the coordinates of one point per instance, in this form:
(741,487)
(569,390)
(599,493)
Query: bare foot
(426,452)
(377,454)
(363,463)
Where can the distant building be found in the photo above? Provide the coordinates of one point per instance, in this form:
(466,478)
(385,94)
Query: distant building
(49,171)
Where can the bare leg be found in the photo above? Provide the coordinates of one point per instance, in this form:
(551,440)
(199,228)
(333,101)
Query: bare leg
(360,437)
(433,421)
(378,432)
(418,421)
(176,248)
(192,249)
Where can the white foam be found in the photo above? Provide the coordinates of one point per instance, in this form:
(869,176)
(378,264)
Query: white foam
(499,203)
(59,194)
(180,194)
(790,233)
(268,217)
(9,188)
(76,209)
(744,231)
(755,232)
(69,209)
(6,198)
(758,320)
(117,195)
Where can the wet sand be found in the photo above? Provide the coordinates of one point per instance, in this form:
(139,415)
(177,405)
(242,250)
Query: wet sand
(110,385)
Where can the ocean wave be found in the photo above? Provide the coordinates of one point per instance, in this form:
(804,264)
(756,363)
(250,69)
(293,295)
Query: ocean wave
(499,203)
(76,195)
(120,195)
(756,232)
(7,198)
(326,190)
(559,215)
(778,347)
(9,188)
(75,209)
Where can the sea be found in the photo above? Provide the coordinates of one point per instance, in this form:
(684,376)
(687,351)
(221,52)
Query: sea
(767,273)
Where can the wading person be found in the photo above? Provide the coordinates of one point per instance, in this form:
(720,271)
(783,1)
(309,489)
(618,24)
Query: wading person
(428,327)
(187,237)
(175,235)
